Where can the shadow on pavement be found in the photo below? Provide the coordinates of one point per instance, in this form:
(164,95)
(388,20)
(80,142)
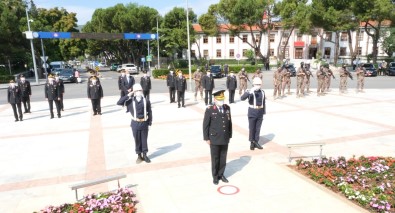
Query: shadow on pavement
(164,149)
(266,138)
(36,117)
(111,111)
(76,113)
(236,165)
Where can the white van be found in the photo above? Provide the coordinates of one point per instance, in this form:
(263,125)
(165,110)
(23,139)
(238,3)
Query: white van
(130,68)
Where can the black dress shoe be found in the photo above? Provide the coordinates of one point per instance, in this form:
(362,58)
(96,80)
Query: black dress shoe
(16,120)
(252,146)
(146,159)
(59,116)
(183,106)
(257,145)
(215,181)
(223,179)
(20,119)
(178,106)
(99,113)
(139,158)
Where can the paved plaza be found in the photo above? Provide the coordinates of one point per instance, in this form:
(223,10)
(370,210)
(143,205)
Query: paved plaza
(41,157)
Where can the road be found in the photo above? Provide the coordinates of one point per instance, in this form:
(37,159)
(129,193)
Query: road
(110,87)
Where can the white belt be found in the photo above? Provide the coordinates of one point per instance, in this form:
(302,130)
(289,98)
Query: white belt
(256,107)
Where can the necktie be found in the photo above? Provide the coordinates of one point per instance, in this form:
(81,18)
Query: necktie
(221,110)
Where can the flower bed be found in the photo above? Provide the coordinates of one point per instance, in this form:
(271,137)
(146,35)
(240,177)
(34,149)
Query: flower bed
(368,181)
(120,201)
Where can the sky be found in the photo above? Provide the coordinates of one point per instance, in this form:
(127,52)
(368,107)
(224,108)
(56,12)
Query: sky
(85,8)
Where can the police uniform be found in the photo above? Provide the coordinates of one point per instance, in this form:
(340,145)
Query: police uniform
(52,93)
(256,110)
(145,82)
(26,92)
(208,86)
(93,74)
(217,130)
(14,97)
(95,93)
(231,85)
(61,88)
(141,119)
(171,84)
(181,86)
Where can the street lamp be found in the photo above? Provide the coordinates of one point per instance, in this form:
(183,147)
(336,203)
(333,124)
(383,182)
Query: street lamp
(31,44)
(189,51)
(157,33)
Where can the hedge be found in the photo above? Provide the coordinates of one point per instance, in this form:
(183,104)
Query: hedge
(6,78)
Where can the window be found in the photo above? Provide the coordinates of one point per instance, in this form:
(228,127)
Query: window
(299,37)
(205,40)
(271,52)
(232,53)
(218,39)
(343,36)
(219,54)
(257,38)
(286,55)
(327,52)
(359,51)
(298,53)
(205,53)
(231,39)
(272,36)
(343,51)
(244,52)
(328,36)
(244,38)
(360,36)
(314,39)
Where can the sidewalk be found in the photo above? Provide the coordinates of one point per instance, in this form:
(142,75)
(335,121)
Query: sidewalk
(40,158)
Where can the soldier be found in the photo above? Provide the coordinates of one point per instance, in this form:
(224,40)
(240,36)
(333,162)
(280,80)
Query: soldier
(120,81)
(226,69)
(343,79)
(360,72)
(145,83)
(181,86)
(208,86)
(26,92)
(286,80)
(14,97)
(256,110)
(300,74)
(217,132)
(52,94)
(243,78)
(127,83)
(258,74)
(320,79)
(277,81)
(95,93)
(307,78)
(61,88)
(171,84)
(231,85)
(329,75)
(140,108)
(197,76)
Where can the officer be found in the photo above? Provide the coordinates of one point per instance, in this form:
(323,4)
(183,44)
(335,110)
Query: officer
(26,92)
(258,74)
(197,76)
(61,87)
(231,85)
(181,86)
(93,74)
(95,93)
(217,132)
(309,75)
(145,83)
(226,69)
(127,84)
(120,81)
(52,94)
(301,74)
(140,108)
(329,75)
(343,79)
(242,81)
(286,80)
(277,82)
(14,97)
(256,99)
(321,81)
(360,72)
(171,84)
(208,86)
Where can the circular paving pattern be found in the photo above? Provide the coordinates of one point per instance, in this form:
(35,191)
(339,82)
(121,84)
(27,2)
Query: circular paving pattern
(228,190)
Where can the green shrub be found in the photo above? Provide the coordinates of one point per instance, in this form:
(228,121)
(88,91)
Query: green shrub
(6,78)
(161,72)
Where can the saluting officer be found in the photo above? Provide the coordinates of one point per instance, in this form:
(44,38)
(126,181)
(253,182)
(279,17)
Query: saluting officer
(61,88)
(95,93)
(26,92)
(140,108)
(145,82)
(208,86)
(181,86)
(256,110)
(171,84)
(217,132)
(14,97)
(231,85)
(120,80)
(52,93)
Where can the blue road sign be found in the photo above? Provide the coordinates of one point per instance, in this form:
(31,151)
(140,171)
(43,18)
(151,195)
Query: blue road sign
(143,59)
(58,35)
(68,35)
(141,36)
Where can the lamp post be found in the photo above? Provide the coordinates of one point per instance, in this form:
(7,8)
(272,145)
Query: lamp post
(157,33)
(189,51)
(32,46)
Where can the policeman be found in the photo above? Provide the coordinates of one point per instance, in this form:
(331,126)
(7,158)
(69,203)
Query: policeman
(52,94)
(208,86)
(197,76)
(181,86)
(217,132)
(140,108)
(231,85)
(26,92)
(61,87)
(171,84)
(145,83)
(256,99)
(120,81)
(95,93)
(14,97)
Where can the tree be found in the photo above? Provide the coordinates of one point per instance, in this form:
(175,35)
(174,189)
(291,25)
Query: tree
(388,44)
(373,14)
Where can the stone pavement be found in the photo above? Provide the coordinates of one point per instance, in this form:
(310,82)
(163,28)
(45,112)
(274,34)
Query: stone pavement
(40,158)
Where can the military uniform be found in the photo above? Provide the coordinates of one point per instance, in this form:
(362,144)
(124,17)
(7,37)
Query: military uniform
(26,92)
(277,81)
(95,93)
(171,84)
(320,79)
(309,75)
(329,78)
(231,85)
(181,86)
(360,72)
(145,82)
(52,94)
(208,86)
(61,88)
(300,74)
(14,97)
(343,80)
(197,76)
(242,81)
(258,74)
(286,81)
(217,131)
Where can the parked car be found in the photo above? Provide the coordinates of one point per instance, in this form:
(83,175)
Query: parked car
(391,69)
(130,68)
(114,67)
(67,75)
(216,71)
(371,71)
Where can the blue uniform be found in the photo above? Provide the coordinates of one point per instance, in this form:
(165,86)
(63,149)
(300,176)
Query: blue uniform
(256,111)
